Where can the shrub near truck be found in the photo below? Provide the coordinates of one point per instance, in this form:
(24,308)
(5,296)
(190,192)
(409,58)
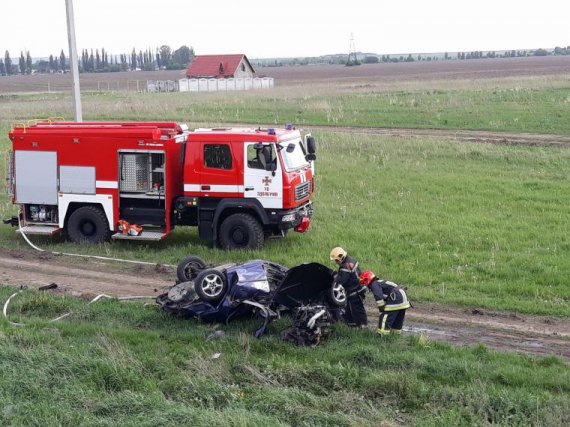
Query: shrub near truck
(92,179)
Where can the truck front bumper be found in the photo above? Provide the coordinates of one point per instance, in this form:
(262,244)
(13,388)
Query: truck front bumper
(298,218)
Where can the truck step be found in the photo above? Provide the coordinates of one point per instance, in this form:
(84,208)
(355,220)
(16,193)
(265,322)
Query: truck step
(44,230)
(153,236)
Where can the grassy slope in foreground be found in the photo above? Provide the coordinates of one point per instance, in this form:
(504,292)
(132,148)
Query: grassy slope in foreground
(471,224)
(118,363)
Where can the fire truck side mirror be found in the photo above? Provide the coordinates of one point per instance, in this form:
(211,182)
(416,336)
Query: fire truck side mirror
(311,157)
(311,145)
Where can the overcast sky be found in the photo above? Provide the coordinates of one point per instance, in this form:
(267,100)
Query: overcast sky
(283,29)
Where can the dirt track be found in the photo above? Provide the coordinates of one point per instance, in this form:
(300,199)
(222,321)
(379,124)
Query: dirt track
(535,335)
(477,136)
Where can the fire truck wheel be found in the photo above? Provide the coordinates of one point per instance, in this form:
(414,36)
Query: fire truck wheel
(210,285)
(241,231)
(189,268)
(88,224)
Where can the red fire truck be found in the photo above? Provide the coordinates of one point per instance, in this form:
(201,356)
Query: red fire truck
(96,181)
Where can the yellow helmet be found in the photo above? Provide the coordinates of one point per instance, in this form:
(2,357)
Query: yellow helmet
(338,254)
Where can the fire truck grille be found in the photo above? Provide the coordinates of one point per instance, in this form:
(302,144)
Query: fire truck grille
(302,190)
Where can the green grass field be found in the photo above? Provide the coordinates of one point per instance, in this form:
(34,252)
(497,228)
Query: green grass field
(471,224)
(126,364)
(459,223)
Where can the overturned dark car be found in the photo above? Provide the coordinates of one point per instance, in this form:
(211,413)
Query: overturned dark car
(258,288)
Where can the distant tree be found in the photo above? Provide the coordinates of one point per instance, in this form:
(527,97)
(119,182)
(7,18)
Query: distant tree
(62,61)
(446,56)
(410,58)
(419,57)
(28,62)
(8,63)
(133,59)
(540,52)
(371,59)
(183,55)
(52,64)
(165,55)
(22,63)
(158,63)
(2,68)
(97,60)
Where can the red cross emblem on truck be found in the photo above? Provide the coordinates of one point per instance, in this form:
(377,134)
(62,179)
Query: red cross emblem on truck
(266,181)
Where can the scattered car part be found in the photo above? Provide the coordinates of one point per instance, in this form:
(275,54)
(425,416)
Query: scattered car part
(311,325)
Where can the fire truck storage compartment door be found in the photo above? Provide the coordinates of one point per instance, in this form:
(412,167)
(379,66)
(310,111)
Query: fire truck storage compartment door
(77,179)
(36,177)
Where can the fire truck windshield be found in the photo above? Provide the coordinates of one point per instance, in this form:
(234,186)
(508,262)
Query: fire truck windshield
(293,155)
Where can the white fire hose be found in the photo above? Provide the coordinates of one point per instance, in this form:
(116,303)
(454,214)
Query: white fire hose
(82,255)
(97,298)
(63,316)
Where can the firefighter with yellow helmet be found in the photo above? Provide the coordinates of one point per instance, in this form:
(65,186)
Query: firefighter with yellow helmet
(348,276)
(392,302)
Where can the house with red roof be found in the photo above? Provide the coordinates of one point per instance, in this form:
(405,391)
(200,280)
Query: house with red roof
(220,67)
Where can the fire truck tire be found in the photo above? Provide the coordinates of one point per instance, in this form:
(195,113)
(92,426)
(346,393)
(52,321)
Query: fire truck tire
(88,224)
(189,268)
(241,231)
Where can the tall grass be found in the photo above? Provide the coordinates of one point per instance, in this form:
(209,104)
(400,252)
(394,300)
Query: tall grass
(128,364)
(525,104)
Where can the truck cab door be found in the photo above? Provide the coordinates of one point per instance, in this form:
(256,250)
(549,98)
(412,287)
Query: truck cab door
(218,173)
(263,178)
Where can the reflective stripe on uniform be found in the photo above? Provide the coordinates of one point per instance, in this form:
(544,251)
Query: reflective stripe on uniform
(382,329)
(381,303)
(350,271)
(401,306)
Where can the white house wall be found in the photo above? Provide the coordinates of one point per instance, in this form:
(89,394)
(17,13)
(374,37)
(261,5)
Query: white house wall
(221,85)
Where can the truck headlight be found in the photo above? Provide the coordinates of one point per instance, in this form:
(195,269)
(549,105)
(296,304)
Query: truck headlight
(289,217)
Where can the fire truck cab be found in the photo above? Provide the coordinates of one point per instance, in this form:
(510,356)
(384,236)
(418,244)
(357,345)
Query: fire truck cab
(96,181)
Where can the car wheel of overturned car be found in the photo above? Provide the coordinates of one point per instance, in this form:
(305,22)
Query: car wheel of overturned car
(337,295)
(210,285)
(189,268)
(88,224)
(241,231)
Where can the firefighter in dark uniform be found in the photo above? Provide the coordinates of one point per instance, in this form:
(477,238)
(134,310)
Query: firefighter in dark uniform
(348,276)
(392,302)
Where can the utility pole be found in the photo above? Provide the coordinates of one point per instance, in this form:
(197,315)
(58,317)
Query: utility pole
(73,64)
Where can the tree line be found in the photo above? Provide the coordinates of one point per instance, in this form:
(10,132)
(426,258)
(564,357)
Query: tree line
(94,61)
(368,58)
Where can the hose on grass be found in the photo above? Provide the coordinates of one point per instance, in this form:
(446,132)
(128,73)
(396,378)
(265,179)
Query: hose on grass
(63,316)
(83,255)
